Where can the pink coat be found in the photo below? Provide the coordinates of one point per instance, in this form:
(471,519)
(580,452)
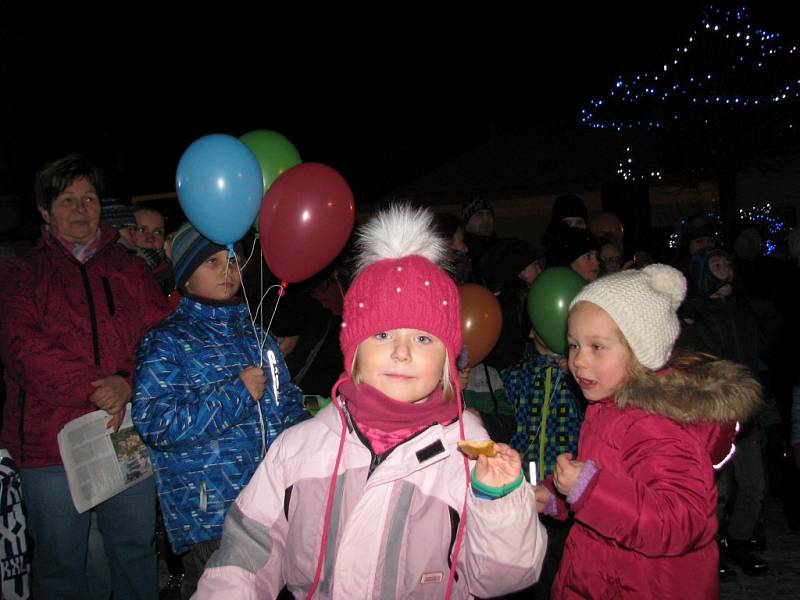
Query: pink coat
(645,526)
(391,532)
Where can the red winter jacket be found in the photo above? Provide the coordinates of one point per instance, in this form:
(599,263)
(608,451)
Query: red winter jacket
(63,325)
(645,525)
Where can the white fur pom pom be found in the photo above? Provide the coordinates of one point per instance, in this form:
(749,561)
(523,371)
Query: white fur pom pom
(399,231)
(668,281)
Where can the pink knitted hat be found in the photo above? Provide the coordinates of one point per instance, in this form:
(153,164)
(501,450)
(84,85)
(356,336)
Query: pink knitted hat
(399,284)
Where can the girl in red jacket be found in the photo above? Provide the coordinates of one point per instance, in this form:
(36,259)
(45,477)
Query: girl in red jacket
(642,488)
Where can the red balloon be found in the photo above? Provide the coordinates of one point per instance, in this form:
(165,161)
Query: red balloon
(481,321)
(305,220)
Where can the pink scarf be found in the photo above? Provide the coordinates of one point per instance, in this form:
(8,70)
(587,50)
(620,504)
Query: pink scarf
(385,422)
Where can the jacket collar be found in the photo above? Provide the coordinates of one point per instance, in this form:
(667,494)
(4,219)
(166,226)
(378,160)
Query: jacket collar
(434,444)
(207,310)
(108,237)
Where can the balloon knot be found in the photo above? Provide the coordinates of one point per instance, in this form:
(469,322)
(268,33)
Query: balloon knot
(282,290)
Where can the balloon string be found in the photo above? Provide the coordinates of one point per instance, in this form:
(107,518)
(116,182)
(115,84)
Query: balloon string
(282,287)
(260,287)
(259,340)
(247,262)
(259,308)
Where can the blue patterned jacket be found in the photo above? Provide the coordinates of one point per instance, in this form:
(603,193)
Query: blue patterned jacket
(203,429)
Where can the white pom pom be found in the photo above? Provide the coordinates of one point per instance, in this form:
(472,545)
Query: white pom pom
(668,281)
(399,231)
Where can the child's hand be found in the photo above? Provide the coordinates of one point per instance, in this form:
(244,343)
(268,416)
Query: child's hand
(567,471)
(542,497)
(500,470)
(255,381)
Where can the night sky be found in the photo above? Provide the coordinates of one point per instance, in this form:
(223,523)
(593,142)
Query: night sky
(382,98)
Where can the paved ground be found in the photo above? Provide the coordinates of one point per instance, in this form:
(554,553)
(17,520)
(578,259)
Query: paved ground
(783,554)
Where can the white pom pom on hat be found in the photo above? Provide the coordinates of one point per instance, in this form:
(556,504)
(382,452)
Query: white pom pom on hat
(643,303)
(668,281)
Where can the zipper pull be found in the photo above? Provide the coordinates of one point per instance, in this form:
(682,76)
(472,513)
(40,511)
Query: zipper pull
(203,497)
(273,368)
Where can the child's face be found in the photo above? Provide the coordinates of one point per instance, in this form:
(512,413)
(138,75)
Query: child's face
(404,364)
(587,266)
(209,280)
(722,269)
(598,356)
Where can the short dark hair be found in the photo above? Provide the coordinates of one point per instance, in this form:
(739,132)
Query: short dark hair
(53,178)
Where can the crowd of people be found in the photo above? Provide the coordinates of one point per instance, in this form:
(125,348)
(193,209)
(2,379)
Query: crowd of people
(612,472)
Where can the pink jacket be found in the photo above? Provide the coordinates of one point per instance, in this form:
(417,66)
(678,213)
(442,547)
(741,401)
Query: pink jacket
(391,532)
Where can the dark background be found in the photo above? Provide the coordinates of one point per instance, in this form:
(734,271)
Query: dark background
(381,97)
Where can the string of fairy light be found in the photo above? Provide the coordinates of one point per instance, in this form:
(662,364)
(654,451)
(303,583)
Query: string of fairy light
(770,226)
(684,83)
(725,65)
(628,170)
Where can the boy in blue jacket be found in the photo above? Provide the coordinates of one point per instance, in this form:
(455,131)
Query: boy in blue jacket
(202,403)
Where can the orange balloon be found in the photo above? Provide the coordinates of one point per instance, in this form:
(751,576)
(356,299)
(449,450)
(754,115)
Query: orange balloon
(607,224)
(481,321)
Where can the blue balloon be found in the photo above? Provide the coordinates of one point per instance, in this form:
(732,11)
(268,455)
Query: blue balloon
(220,187)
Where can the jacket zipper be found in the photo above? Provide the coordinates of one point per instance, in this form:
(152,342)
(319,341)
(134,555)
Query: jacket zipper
(109,296)
(377,459)
(92,315)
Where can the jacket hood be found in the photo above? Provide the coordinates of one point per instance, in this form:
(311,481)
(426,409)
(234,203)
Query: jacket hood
(706,395)
(699,388)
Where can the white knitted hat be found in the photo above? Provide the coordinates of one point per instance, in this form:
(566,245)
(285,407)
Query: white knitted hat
(643,303)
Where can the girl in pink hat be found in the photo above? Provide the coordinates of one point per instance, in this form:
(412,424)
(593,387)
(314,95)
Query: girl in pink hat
(372,498)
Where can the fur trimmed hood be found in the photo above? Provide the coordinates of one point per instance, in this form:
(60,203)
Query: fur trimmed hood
(698,388)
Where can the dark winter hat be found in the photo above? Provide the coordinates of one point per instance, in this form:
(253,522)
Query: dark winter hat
(703,280)
(116,213)
(698,231)
(569,243)
(189,250)
(472,206)
(503,260)
(569,205)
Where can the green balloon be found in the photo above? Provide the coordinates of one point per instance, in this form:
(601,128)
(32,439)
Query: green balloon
(274,152)
(548,305)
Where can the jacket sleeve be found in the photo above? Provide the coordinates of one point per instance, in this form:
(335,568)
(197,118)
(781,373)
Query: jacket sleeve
(42,364)
(505,543)
(562,509)
(248,564)
(660,505)
(170,410)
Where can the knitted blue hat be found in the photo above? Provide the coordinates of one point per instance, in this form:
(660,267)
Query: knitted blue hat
(189,250)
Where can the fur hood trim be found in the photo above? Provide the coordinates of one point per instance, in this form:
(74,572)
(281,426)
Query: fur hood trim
(699,388)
